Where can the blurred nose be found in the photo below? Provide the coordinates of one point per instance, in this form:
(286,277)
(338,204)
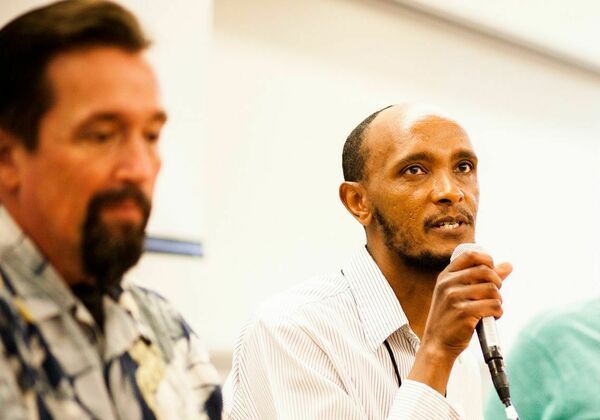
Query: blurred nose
(445,190)
(138,162)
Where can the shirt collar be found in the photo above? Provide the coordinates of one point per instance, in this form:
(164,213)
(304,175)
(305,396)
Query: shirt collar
(125,323)
(45,294)
(379,309)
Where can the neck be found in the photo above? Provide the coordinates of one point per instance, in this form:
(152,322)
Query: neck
(65,259)
(412,286)
(67,263)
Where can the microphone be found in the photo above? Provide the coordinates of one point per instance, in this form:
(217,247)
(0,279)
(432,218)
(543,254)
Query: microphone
(490,346)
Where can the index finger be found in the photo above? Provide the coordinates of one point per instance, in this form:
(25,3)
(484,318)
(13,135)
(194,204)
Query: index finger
(470,258)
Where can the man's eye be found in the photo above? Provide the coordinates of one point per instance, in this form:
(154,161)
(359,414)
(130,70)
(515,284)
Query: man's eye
(152,136)
(464,167)
(101,136)
(414,170)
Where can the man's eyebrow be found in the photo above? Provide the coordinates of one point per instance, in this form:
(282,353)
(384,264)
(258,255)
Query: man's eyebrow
(427,157)
(465,154)
(159,116)
(419,156)
(102,116)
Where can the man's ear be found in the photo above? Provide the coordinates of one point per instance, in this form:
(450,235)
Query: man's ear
(354,197)
(9,168)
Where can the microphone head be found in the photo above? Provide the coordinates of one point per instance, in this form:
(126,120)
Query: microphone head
(460,249)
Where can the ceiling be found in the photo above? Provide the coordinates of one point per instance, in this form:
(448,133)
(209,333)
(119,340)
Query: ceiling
(568,31)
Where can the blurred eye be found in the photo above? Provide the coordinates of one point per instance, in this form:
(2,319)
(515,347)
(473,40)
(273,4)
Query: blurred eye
(414,170)
(101,136)
(102,132)
(152,136)
(464,167)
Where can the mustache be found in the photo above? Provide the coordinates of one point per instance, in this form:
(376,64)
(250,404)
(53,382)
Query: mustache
(117,195)
(429,221)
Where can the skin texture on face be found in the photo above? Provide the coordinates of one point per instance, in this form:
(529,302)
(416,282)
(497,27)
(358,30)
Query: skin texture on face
(100,135)
(420,192)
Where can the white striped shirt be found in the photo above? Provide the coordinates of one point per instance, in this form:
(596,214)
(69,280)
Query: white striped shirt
(318,352)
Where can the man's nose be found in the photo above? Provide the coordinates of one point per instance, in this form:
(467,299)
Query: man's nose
(446,190)
(138,161)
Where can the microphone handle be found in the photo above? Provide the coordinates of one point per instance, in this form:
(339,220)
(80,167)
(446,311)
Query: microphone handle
(490,346)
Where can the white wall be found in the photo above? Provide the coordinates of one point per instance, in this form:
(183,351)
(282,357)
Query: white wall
(565,29)
(289,80)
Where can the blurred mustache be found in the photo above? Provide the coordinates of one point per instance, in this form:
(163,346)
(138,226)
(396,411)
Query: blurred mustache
(118,195)
(430,221)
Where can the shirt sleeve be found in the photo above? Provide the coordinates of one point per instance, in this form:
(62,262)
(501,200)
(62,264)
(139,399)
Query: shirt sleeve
(280,372)
(416,400)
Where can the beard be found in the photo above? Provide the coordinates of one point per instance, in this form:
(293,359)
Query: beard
(109,251)
(397,242)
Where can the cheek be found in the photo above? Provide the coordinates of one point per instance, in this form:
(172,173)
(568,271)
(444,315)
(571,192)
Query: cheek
(54,204)
(150,185)
(474,198)
(408,208)
(157,167)
(401,206)
(67,189)
(69,197)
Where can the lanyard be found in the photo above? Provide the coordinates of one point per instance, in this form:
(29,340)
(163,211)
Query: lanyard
(393,359)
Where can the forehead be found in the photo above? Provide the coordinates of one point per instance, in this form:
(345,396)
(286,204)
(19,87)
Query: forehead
(433,130)
(102,78)
(397,134)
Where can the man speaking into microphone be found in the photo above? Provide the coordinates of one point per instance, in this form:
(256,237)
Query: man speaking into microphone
(382,337)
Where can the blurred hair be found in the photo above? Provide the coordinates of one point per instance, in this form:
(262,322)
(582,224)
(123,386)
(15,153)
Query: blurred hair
(29,42)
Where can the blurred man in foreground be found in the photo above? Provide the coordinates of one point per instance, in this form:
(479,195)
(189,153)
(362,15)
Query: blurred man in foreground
(80,121)
(384,336)
(554,366)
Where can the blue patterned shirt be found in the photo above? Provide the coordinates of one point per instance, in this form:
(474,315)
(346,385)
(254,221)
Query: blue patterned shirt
(55,363)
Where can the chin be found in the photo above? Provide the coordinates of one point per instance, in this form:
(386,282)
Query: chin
(443,250)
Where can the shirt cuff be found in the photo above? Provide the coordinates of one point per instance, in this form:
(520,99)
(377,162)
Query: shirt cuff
(415,400)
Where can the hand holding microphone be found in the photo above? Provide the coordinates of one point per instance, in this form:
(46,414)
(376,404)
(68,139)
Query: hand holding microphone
(490,345)
(466,292)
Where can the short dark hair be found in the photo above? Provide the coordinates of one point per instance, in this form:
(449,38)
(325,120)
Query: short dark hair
(354,155)
(29,42)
